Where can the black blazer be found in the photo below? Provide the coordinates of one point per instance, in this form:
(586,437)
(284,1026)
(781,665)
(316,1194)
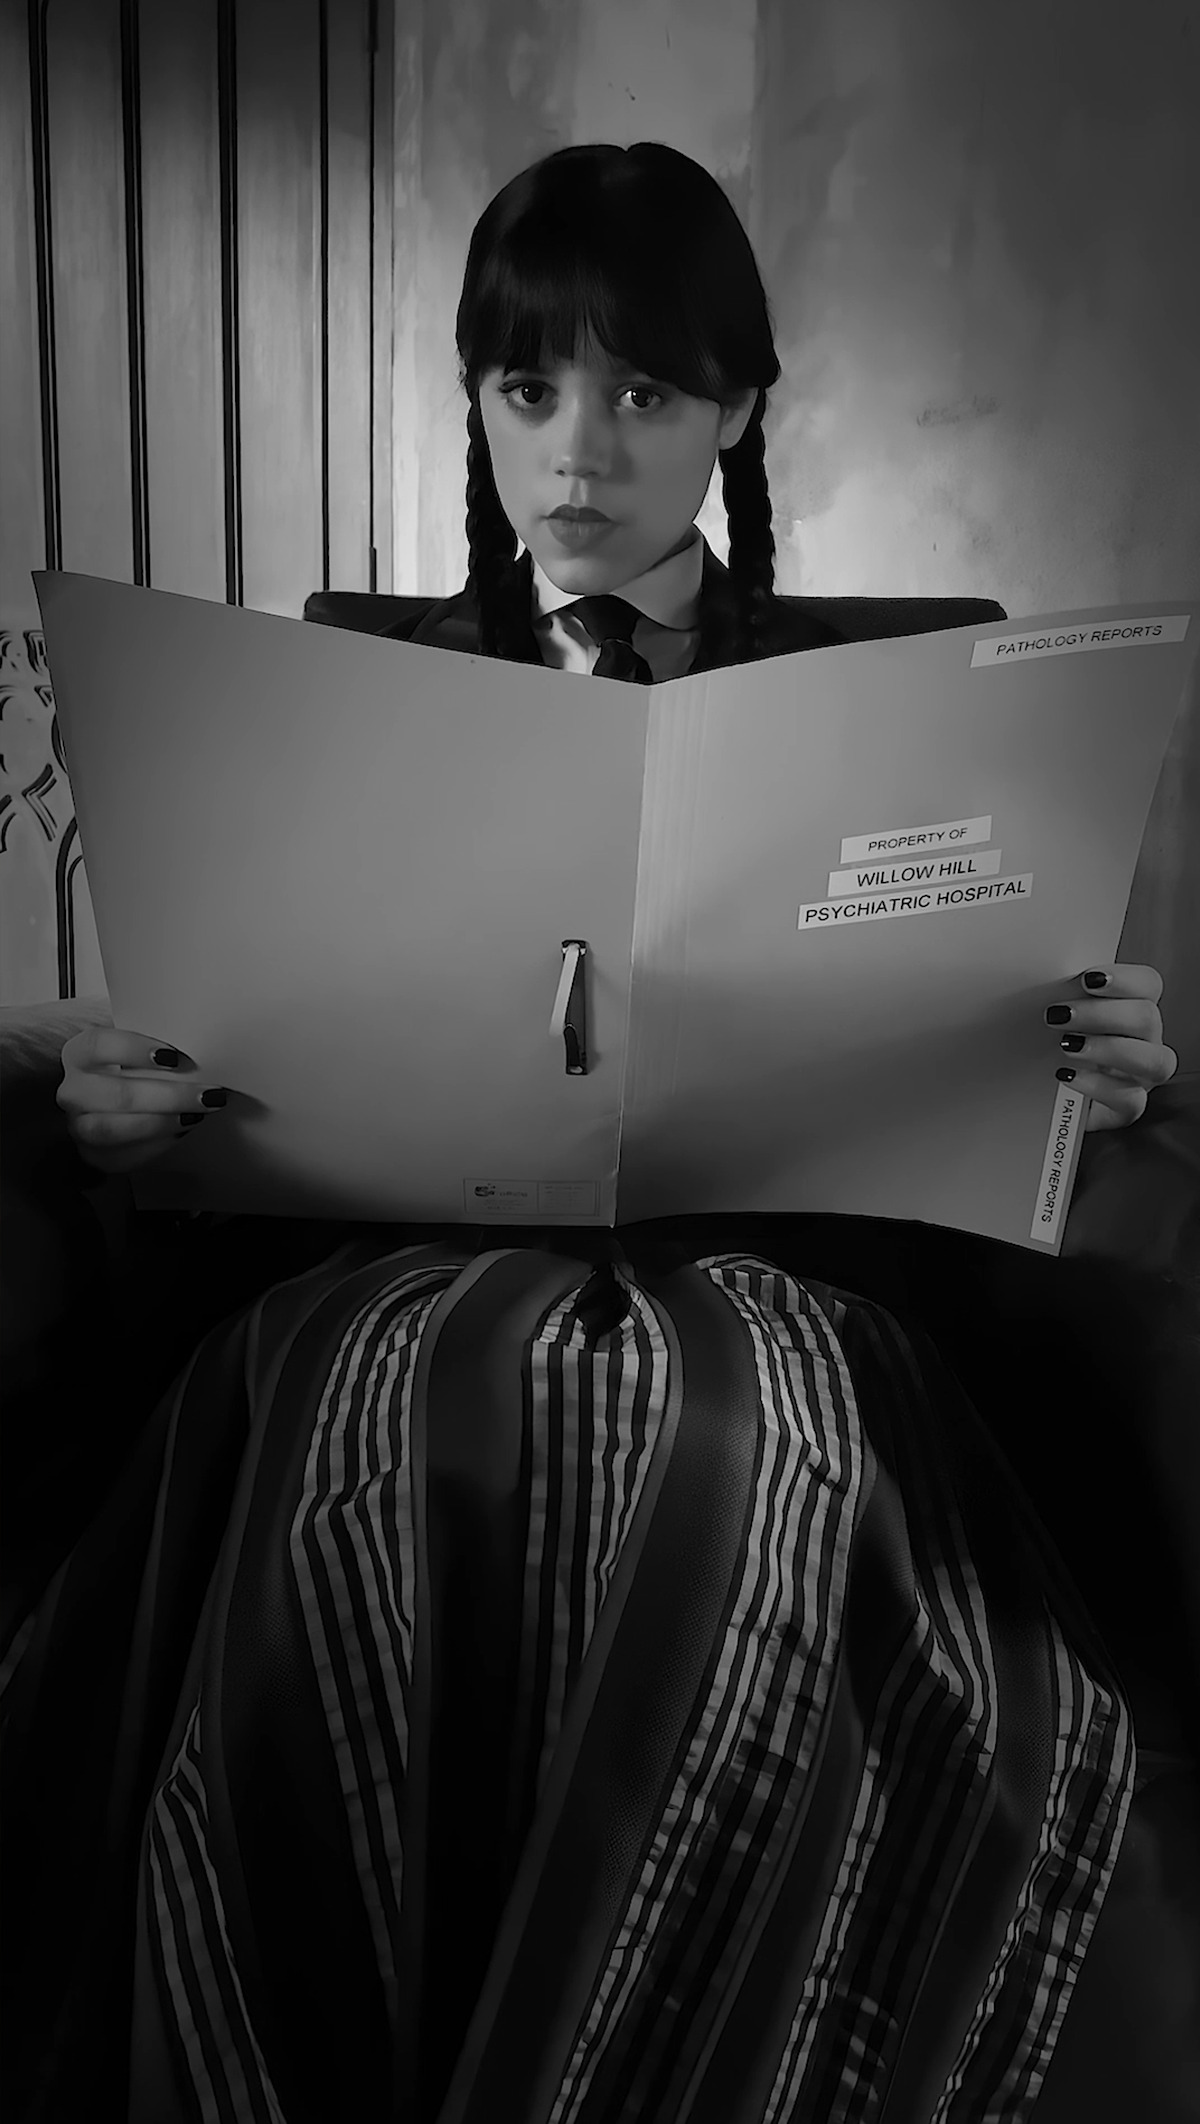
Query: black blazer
(797,622)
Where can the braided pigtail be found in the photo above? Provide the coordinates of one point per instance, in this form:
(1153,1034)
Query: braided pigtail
(751,539)
(492,548)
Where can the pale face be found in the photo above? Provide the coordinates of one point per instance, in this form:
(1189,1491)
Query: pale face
(600,436)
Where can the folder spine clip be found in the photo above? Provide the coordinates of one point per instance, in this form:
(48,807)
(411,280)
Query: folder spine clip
(569,1014)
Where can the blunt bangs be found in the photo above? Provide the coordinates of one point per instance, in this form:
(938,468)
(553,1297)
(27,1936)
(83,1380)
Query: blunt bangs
(555,282)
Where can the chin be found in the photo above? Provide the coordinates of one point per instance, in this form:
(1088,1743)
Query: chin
(590,563)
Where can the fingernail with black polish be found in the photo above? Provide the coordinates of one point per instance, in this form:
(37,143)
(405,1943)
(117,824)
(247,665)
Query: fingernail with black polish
(190,1120)
(165,1057)
(1059,1014)
(1095,980)
(1071,1043)
(214,1096)
(1065,1076)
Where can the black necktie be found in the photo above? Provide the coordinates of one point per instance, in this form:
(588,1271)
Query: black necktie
(611,621)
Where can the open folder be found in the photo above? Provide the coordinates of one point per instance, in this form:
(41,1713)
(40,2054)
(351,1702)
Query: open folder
(471,940)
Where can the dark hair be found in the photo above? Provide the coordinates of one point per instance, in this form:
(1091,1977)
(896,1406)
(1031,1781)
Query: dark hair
(639,249)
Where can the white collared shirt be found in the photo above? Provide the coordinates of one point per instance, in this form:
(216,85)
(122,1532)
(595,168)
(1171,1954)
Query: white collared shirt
(667,634)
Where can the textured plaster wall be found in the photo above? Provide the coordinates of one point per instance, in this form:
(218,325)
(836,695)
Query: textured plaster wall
(977,227)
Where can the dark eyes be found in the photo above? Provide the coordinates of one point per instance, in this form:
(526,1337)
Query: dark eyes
(530,383)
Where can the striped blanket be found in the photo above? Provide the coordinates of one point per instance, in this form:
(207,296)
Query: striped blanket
(503,1689)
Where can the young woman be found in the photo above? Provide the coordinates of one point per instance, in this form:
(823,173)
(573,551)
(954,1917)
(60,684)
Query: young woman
(547,1675)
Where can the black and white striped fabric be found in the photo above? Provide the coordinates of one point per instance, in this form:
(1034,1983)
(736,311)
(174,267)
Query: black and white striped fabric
(497,1713)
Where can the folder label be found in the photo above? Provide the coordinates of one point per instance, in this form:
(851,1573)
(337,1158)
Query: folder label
(567,1198)
(530,1198)
(933,899)
(901,841)
(1006,650)
(1069,1109)
(935,870)
(500,1198)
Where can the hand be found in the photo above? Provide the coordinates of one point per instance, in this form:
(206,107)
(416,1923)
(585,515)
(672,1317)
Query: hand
(123,1109)
(1122,1057)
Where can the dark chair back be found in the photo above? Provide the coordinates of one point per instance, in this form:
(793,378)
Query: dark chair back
(860,618)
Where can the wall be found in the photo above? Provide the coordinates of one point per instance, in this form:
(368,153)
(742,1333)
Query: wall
(188,367)
(975,226)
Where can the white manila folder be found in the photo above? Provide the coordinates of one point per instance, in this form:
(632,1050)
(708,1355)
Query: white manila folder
(337,871)
(865,872)
(470,940)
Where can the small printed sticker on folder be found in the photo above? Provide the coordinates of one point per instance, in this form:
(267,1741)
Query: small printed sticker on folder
(501,1198)
(1069,1107)
(927,899)
(567,1198)
(933,870)
(530,1198)
(901,841)
(1008,650)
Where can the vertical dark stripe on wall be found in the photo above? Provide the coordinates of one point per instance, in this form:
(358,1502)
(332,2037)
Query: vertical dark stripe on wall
(135,283)
(373,402)
(230,366)
(323,129)
(39,106)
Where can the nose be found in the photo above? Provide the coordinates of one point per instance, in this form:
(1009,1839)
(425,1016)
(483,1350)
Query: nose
(583,442)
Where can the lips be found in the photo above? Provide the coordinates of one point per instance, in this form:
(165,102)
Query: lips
(581,516)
